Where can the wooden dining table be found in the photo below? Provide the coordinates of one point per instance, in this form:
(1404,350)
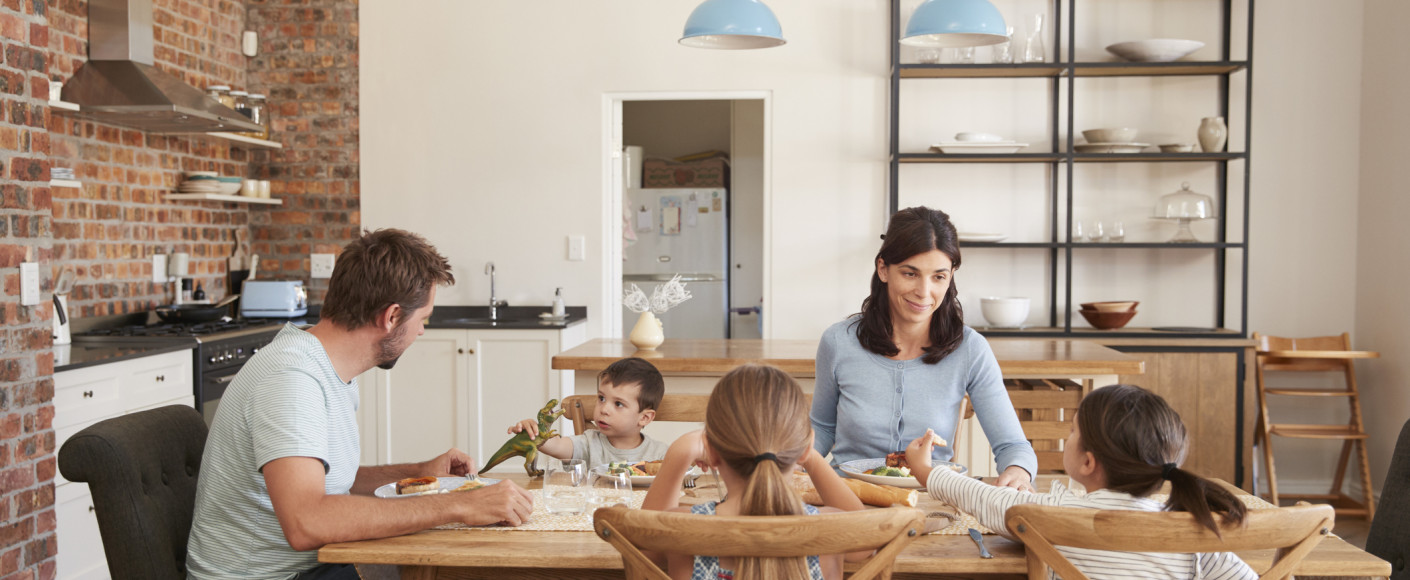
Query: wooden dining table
(465,554)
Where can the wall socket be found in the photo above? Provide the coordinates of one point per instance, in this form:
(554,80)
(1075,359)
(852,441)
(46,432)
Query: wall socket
(321,265)
(159,268)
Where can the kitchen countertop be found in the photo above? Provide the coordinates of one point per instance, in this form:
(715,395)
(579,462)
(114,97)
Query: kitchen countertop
(509,318)
(68,357)
(1056,357)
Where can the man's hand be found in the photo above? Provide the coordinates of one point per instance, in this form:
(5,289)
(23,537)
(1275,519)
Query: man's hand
(918,456)
(529,425)
(503,502)
(453,462)
(1014,476)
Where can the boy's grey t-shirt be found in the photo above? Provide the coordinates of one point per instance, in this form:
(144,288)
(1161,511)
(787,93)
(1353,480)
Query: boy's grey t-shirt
(593,447)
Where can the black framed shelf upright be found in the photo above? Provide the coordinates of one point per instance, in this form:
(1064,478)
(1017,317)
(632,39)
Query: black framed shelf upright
(1231,236)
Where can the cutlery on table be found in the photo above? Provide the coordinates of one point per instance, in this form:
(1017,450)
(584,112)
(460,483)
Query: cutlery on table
(979,541)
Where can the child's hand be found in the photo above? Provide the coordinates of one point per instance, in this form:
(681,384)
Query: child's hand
(529,425)
(918,456)
(686,451)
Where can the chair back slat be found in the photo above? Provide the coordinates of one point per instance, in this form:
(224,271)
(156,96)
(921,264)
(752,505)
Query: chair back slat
(689,408)
(886,530)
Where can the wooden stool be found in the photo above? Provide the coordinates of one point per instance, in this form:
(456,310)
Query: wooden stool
(1317,354)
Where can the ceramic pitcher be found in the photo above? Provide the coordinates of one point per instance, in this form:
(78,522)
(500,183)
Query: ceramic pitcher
(647,334)
(1212,134)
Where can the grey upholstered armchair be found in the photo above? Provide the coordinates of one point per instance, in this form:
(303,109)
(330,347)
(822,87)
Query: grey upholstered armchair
(1389,537)
(141,469)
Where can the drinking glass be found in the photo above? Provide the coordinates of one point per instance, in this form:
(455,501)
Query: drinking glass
(608,489)
(1096,233)
(1117,233)
(563,487)
(1003,52)
(1033,49)
(1077,231)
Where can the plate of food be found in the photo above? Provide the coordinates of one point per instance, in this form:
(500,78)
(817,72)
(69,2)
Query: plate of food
(643,473)
(890,470)
(431,485)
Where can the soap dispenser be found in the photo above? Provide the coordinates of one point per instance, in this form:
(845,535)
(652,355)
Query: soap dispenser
(558,310)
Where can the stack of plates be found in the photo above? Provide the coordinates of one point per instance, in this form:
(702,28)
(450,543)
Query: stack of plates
(981,147)
(1111,147)
(199,186)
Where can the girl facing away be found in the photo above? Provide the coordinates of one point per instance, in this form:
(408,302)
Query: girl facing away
(756,431)
(1125,443)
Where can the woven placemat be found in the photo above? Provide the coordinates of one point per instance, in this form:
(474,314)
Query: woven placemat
(542,521)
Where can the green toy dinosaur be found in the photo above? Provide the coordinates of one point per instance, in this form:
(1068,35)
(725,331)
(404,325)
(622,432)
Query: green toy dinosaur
(522,444)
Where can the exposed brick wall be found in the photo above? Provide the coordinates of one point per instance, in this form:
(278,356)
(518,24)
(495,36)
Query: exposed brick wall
(308,64)
(27,521)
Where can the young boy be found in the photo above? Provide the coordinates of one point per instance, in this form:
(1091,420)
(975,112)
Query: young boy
(628,392)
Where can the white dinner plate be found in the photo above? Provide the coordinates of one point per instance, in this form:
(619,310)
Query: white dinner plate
(978,237)
(646,480)
(979,147)
(857,468)
(447,484)
(1110,147)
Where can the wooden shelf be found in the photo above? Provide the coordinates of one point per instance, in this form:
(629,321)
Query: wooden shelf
(979,158)
(219,197)
(1088,332)
(1155,157)
(1156,69)
(973,71)
(65,105)
(65,183)
(1081,69)
(248,140)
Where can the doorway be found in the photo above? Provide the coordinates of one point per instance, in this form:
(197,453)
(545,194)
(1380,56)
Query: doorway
(732,288)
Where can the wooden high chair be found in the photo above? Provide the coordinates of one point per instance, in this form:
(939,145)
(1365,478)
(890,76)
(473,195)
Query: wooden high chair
(1317,354)
(690,408)
(1294,531)
(886,530)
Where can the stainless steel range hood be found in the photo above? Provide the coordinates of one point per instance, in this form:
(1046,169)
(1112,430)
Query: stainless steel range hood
(119,85)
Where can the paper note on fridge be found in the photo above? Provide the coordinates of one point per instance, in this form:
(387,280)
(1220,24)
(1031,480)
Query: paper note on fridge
(670,220)
(691,210)
(644,221)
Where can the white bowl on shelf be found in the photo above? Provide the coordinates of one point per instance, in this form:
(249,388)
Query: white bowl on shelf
(1118,135)
(1004,312)
(972,137)
(1155,49)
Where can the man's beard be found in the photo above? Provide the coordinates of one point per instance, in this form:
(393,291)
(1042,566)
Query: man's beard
(387,355)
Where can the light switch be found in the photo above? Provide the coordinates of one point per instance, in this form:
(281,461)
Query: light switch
(577,248)
(29,283)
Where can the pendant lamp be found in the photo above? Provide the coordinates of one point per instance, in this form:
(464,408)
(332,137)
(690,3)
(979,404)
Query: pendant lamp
(732,25)
(955,23)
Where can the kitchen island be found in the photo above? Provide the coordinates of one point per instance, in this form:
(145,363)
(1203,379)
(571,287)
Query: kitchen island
(693,366)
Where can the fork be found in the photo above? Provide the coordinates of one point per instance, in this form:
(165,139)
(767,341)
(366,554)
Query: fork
(690,483)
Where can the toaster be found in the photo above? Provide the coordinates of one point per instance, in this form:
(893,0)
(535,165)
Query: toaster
(273,299)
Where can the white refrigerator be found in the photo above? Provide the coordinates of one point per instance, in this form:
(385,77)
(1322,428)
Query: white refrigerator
(681,231)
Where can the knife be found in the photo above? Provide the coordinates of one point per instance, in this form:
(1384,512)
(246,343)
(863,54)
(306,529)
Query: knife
(979,541)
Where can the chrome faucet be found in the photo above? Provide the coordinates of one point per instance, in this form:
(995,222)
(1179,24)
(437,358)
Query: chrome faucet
(494,302)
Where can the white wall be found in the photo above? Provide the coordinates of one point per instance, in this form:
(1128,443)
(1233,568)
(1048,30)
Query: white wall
(1383,265)
(482,128)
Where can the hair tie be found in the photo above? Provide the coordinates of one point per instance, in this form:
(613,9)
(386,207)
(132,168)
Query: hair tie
(1166,469)
(763,456)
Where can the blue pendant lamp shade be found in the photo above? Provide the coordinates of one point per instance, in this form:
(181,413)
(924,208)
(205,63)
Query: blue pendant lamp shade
(955,23)
(732,24)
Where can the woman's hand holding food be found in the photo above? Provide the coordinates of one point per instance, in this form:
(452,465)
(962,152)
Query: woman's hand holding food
(665,492)
(918,455)
(1017,478)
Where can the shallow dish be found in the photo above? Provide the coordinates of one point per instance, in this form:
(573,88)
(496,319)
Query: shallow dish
(447,484)
(856,469)
(1155,49)
(1111,147)
(647,480)
(979,147)
(972,137)
(1177,148)
(1111,306)
(1116,135)
(549,317)
(1107,320)
(978,237)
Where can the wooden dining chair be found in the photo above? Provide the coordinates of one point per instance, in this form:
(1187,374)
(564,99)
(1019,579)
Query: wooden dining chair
(886,530)
(1320,354)
(690,408)
(1045,408)
(1293,531)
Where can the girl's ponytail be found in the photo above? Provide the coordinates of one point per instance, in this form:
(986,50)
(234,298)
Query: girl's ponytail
(1139,442)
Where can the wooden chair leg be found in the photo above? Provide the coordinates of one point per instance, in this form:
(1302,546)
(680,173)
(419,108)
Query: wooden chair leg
(1272,473)
(1366,480)
(1341,466)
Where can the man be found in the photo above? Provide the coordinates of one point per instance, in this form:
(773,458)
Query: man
(280,475)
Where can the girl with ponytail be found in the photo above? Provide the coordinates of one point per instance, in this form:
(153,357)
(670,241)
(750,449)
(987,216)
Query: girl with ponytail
(756,431)
(1126,442)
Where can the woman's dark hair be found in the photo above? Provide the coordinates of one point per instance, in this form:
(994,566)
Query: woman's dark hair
(1139,442)
(914,231)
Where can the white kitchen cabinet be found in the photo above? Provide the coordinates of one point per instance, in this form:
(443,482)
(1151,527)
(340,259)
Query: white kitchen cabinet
(461,388)
(83,397)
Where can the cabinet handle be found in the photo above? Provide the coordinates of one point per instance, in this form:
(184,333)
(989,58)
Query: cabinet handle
(88,394)
(466,351)
(161,378)
(461,351)
(471,351)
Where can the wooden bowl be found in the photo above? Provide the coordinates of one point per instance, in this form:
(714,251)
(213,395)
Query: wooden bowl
(1112,306)
(1107,320)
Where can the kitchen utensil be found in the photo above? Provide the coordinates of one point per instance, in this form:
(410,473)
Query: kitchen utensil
(1155,49)
(1001,312)
(60,320)
(1119,135)
(254,265)
(1107,320)
(190,312)
(979,541)
(227,300)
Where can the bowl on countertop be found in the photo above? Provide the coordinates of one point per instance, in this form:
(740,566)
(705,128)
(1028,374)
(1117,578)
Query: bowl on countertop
(1107,320)
(1111,306)
(1155,49)
(1004,312)
(1118,135)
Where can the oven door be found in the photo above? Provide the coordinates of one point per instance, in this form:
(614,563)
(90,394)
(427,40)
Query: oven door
(213,385)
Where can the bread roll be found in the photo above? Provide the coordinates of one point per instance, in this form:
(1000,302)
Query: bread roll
(869,493)
(469,485)
(412,485)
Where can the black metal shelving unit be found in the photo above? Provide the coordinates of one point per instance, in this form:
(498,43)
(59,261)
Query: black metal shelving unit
(1061,248)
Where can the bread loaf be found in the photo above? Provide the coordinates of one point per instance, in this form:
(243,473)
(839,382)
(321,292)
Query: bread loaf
(412,485)
(869,493)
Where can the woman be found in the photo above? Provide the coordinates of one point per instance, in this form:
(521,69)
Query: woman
(906,362)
